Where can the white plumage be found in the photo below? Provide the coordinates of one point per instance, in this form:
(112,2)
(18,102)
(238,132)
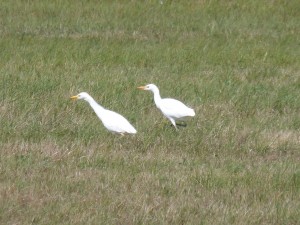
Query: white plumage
(173,109)
(113,121)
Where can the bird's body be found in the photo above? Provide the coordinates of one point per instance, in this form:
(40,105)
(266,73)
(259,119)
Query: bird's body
(113,121)
(173,109)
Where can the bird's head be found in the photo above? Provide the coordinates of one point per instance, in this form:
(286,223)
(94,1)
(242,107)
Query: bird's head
(148,87)
(82,95)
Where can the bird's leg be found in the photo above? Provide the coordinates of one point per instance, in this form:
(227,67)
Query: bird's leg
(174,123)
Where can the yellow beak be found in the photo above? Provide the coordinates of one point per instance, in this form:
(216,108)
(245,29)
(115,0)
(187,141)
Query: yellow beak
(142,87)
(75,97)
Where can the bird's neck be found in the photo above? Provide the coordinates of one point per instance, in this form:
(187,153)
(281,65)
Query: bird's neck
(157,98)
(95,105)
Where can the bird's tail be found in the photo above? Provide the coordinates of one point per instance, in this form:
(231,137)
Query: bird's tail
(192,112)
(132,130)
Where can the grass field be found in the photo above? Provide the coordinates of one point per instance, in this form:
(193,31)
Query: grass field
(235,62)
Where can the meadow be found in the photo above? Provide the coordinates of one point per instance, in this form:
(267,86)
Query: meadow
(235,62)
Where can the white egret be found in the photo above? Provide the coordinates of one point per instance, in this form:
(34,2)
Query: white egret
(113,121)
(173,109)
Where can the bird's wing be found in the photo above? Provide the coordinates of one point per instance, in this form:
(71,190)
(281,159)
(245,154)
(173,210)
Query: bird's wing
(175,108)
(117,123)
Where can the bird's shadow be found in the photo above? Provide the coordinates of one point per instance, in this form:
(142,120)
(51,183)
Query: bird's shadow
(183,124)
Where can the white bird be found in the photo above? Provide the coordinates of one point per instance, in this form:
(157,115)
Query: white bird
(113,121)
(173,109)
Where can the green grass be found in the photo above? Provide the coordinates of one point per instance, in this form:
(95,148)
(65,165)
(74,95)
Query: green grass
(235,62)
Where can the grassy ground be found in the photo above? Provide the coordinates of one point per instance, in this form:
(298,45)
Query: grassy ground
(235,62)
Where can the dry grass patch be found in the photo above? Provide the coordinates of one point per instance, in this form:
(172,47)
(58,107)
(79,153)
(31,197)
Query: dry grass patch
(276,139)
